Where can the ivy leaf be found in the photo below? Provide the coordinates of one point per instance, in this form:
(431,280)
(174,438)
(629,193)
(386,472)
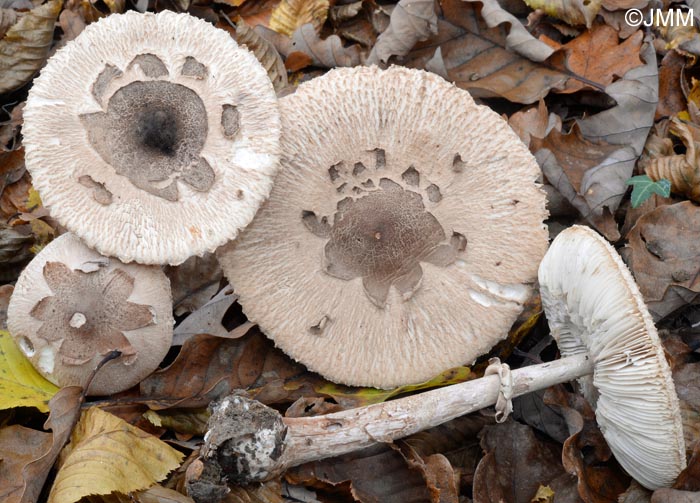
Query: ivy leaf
(643,187)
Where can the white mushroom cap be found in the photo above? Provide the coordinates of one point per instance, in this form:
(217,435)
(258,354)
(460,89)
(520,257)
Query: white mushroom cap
(593,305)
(153,137)
(72,306)
(403,232)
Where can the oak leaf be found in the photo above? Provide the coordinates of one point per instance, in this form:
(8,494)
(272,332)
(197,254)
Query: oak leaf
(108,455)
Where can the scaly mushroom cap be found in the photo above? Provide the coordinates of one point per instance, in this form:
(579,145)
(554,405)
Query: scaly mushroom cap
(72,306)
(153,137)
(402,234)
(593,305)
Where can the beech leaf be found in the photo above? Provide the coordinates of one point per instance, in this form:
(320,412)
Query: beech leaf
(107,455)
(20,384)
(644,187)
(25,46)
(292,14)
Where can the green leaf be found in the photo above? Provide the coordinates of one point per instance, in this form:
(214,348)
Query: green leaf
(20,384)
(643,187)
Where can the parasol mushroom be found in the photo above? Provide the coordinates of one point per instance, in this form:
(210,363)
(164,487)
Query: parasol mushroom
(404,217)
(72,306)
(152,137)
(604,330)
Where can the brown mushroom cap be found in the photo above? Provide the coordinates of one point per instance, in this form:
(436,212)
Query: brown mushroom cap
(594,306)
(153,137)
(402,234)
(72,306)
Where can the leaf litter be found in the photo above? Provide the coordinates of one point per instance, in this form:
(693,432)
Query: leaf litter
(601,105)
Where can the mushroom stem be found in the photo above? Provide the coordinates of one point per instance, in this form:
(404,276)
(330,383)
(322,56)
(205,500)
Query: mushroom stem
(313,438)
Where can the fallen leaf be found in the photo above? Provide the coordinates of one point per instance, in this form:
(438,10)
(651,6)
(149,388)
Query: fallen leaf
(210,367)
(644,187)
(635,493)
(596,58)
(265,52)
(9,131)
(377,474)
(292,14)
(267,492)
(324,53)
(667,495)
(663,253)
(483,59)
(20,384)
(29,472)
(515,464)
(577,12)
(194,282)
(207,319)
(8,17)
(189,421)
(108,455)
(411,21)
(154,494)
(26,45)
(683,171)
(18,447)
(340,13)
(671,99)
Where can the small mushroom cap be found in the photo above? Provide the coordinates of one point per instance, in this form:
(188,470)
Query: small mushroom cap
(72,306)
(403,232)
(152,137)
(593,305)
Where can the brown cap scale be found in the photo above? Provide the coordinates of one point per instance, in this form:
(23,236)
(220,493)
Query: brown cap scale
(153,137)
(402,234)
(72,306)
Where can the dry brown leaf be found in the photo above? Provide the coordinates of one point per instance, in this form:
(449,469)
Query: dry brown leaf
(210,367)
(666,495)
(208,319)
(664,255)
(477,58)
(576,12)
(25,46)
(671,99)
(292,14)
(377,474)
(267,492)
(265,52)
(597,58)
(515,465)
(155,494)
(28,474)
(9,129)
(410,22)
(324,53)
(683,171)
(340,13)
(8,17)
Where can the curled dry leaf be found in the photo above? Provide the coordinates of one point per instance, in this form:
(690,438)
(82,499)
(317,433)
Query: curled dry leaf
(411,21)
(576,12)
(207,319)
(194,282)
(664,256)
(477,57)
(292,14)
(265,52)
(324,53)
(108,455)
(683,171)
(20,384)
(26,45)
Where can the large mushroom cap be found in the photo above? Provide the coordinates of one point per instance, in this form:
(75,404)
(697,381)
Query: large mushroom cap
(153,137)
(402,234)
(593,305)
(72,306)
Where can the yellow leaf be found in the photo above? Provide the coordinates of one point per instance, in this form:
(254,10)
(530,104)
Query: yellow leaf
(576,12)
(544,495)
(292,14)
(106,454)
(20,384)
(33,199)
(26,45)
